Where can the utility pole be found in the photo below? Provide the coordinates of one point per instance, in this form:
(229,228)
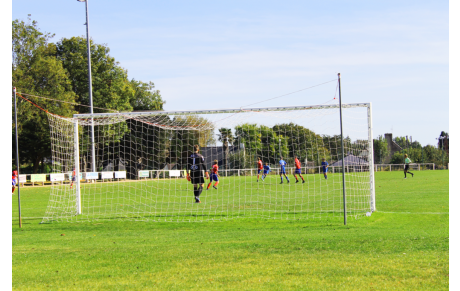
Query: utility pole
(90,88)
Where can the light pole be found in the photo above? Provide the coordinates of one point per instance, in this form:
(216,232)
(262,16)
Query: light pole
(90,88)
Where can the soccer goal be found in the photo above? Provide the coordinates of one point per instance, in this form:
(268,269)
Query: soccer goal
(137,169)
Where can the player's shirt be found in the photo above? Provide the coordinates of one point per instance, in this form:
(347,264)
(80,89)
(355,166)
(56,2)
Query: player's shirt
(266,169)
(297,163)
(196,163)
(214,169)
(407,161)
(260,165)
(324,164)
(15,175)
(283,164)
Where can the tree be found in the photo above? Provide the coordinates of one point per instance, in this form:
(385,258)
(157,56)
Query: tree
(303,142)
(262,141)
(380,149)
(145,98)
(34,72)
(226,137)
(111,88)
(189,130)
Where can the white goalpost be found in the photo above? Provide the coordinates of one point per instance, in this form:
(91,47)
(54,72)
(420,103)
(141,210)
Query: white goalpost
(141,159)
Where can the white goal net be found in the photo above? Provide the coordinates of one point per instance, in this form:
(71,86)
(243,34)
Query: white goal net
(141,161)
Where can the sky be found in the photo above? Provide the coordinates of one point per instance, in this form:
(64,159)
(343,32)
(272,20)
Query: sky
(230,54)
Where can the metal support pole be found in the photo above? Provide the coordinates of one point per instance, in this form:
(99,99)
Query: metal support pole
(343,156)
(17,155)
(77,168)
(371,158)
(90,89)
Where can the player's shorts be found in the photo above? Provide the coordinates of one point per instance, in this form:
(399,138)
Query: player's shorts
(298,171)
(14,182)
(406,167)
(325,170)
(258,171)
(266,172)
(73,179)
(282,171)
(213,177)
(196,177)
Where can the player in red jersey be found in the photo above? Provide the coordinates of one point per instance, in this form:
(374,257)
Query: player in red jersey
(214,176)
(73,178)
(297,170)
(260,167)
(15,180)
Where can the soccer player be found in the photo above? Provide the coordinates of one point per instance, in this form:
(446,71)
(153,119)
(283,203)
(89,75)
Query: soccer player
(325,166)
(195,169)
(15,180)
(283,170)
(214,176)
(297,170)
(260,167)
(407,161)
(266,171)
(73,178)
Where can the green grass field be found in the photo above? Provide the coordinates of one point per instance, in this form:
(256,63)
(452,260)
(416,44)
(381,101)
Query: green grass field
(236,197)
(404,245)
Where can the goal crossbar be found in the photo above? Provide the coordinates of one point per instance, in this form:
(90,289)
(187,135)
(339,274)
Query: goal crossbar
(216,111)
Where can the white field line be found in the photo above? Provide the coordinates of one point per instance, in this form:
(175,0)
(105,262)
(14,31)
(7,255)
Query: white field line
(436,213)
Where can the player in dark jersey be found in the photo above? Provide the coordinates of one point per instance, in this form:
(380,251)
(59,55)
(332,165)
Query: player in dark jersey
(195,168)
(325,166)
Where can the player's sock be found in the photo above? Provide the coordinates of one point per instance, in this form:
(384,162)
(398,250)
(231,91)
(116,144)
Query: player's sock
(209,185)
(405,175)
(200,190)
(13,190)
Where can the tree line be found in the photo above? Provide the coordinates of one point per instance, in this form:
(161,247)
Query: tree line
(437,154)
(59,71)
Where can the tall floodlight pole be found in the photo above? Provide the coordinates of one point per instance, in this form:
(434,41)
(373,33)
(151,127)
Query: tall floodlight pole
(17,156)
(90,88)
(343,156)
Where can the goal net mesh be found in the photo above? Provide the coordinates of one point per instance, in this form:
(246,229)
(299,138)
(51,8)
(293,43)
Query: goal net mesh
(141,158)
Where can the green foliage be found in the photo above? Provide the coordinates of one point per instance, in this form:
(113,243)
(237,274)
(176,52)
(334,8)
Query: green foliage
(111,88)
(60,71)
(303,142)
(239,160)
(226,137)
(26,42)
(381,151)
(262,141)
(145,97)
(34,72)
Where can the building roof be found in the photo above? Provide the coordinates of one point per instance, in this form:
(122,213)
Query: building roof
(350,160)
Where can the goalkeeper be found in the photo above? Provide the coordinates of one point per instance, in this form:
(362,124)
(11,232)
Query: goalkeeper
(407,161)
(195,167)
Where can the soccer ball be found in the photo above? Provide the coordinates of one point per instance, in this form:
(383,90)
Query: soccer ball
(368,214)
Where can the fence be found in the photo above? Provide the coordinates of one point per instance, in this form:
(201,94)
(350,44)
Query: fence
(400,167)
(45,179)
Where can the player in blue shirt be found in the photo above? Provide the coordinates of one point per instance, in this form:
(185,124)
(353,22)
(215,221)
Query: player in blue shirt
(283,170)
(325,166)
(266,171)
